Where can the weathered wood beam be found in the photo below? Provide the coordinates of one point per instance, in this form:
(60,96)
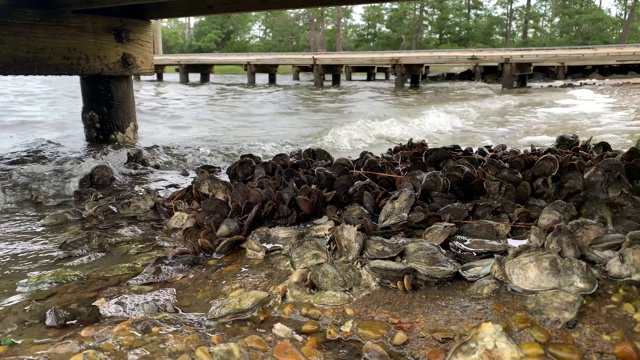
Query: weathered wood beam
(183,8)
(74,4)
(49,42)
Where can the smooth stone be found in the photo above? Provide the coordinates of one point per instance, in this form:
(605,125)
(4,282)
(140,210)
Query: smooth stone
(286,351)
(540,334)
(202,353)
(437,354)
(311,353)
(371,351)
(255,342)
(310,327)
(487,341)
(372,329)
(88,331)
(182,357)
(400,338)
(564,352)
(532,349)
(626,350)
(231,351)
(89,355)
(4,349)
(314,313)
(65,347)
(333,333)
(521,322)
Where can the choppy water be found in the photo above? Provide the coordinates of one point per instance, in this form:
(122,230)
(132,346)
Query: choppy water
(43,153)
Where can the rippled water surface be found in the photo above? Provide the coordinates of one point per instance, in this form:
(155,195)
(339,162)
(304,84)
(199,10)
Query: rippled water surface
(43,153)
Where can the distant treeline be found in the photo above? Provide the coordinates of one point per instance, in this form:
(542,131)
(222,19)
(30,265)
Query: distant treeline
(434,24)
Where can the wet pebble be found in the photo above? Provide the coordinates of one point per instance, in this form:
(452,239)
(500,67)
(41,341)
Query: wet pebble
(521,322)
(540,334)
(372,329)
(4,349)
(65,347)
(89,355)
(371,351)
(436,354)
(286,351)
(202,353)
(310,327)
(333,333)
(314,313)
(311,353)
(255,342)
(564,352)
(400,338)
(443,335)
(284,331)
(532,349)
(626,350)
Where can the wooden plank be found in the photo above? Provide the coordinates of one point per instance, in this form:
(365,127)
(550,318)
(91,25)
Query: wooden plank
(46,42)
(183,8)
(73,4)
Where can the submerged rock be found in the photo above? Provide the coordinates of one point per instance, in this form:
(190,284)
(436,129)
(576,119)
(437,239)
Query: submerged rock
(554,308)
(164,268)
(487,341)
(48,279)
(132,305)
(241,306)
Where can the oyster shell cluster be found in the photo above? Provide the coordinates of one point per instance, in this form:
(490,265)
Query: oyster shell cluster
(419,214)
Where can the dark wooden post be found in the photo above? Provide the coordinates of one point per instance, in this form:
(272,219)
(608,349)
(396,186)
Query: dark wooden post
(348,75)
(522,80)
(136,77)
(318,76)
(477,73)
(401,76)
(184,74)
(251,75)
(335,79)
(561,72)
(159,70)
(296,73)
(205,77)
(414,81)
(507,76)
(272,78)
(108,109)
(371,76)
(387,74)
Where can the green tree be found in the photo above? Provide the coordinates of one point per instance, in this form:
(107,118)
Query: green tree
(222,33)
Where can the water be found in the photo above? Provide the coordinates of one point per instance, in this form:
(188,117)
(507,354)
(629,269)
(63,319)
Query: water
(43,153)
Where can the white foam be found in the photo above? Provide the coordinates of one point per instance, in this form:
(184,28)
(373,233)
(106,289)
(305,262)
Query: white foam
(366,132)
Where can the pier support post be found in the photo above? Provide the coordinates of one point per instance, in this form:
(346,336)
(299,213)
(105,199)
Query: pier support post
(507,76)
(404,71)
(335,79)
(205,77)
(296,73)
(477,73)
(414,81)
(561,72)
(318,76)
(136,77)
(387,74)
(521,81)
(159,70)
(371,76)
(272,78)
(184,74)
(348,74)
(251,77)
(108,109)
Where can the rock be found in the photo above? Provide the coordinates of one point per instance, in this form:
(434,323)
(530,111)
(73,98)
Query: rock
(532,349)
(310,327)
(89,355)
(253,245)
(331,298)
(372,329)
(521,322)
(596,76)
(65,347)
(400,338)
(286,351)
(255,342)
(133,305)
(626,350)
(371,351)
(177,221)
(311,353)
(62,217)
(483,288)
(231,351)
(487,341)
(540,334)
(164,268)
(554,308)
(49,279)
(564,352)
(56,317)
(242,306)
(202,353)
(286,332)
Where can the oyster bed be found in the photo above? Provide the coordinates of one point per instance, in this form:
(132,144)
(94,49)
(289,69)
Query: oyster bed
(418,253)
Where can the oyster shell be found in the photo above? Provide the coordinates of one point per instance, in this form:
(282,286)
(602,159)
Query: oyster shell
(429,261)
(439,232)
(477,269)
(397,208)
(487,341)
(554,308)
(242,306)
(625,266)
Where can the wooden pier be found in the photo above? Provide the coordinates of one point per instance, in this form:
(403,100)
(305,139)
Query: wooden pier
(513,64)
(107,42)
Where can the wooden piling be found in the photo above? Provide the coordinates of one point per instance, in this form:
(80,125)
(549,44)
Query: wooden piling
(136,77)
(521,81)
(561,72)
(184,74)
(296,73)
(371,76)
(108,109)
(272,78)
(414,81)
(159,71)
(477,73)
(251,77)
(401,76)
(318,76)
(348,74)
(205,77)
(335,79)
(387,74)
(507,76)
